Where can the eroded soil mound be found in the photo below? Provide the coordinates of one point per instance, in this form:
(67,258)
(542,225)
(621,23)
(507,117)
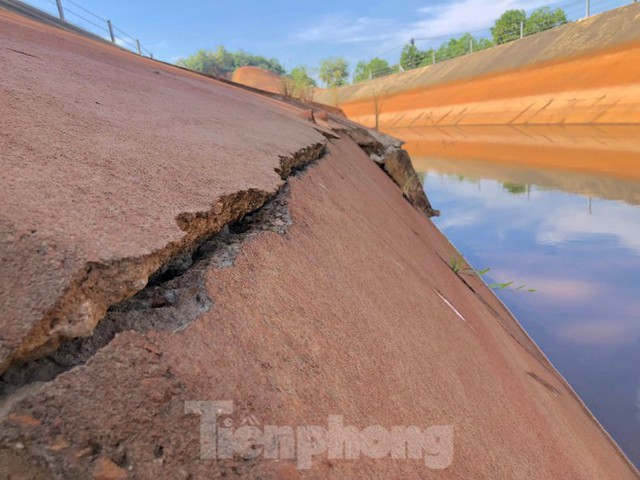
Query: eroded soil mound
(259,78)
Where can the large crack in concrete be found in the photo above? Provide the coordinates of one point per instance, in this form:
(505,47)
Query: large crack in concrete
(99,289)
(174,297)
(166,290)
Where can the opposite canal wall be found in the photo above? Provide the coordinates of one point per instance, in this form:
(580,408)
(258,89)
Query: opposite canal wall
(585,72)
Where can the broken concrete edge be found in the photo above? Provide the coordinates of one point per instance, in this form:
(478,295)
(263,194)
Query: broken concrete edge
(173,298)
(387,152)
(41,458)
(380,147)
(383,149)
(98,285)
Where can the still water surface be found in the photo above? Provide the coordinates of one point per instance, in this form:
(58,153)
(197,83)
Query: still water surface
(572,233)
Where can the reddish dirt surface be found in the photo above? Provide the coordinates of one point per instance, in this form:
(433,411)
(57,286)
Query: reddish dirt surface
(259,78)
(354,311)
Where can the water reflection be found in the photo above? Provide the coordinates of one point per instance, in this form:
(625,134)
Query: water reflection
(601,161)
(565,221)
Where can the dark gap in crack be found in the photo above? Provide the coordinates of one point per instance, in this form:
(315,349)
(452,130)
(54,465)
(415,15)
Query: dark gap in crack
(174,296)
(99,284)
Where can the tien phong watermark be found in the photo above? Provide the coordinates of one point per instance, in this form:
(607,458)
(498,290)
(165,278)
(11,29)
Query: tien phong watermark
(219,439)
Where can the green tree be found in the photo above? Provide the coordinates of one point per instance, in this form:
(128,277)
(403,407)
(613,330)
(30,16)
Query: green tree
(365,70)
(482,43)
(300,76)
(507,27)
(361,72)
(413,57)
(299,84)
(457,47)
(223,62)
(243,59)
(544,18)
(515,188)
(334,72)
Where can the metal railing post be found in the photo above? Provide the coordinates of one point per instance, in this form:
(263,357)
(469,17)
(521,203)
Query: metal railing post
(113,37)
(139,49)
(522,29)
(60,10)
(588,8)
(471,45)
(433,57)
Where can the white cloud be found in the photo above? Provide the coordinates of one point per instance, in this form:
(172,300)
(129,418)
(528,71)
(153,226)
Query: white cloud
(609,332)
(464,219)
(463,16)
(613,220)
(441,20)
(160,44)
(338,29)
(570,221)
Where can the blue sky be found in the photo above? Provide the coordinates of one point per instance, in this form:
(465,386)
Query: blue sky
(297,33)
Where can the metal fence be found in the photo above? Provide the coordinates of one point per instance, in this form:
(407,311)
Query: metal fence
(576,10)
(74,14)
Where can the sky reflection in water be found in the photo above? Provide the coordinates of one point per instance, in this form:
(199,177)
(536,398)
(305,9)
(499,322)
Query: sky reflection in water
(579,250)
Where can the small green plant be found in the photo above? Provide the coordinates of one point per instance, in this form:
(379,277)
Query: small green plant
(460,267)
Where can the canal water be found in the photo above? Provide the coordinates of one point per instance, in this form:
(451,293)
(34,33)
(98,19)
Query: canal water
(557,210)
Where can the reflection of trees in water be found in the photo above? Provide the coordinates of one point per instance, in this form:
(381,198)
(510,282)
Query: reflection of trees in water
(587,184)
(514,188)
(468,179)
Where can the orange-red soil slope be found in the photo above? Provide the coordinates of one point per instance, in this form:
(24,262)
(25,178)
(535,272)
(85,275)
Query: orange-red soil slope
(259,78)
(499,87)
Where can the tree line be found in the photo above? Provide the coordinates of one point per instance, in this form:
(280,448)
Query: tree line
(511,25)
(334,72)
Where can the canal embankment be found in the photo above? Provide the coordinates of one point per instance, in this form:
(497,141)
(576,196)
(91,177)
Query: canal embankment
(585,72)
(176,247)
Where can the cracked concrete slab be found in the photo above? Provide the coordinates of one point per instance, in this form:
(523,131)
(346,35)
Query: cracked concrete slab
(109,164)
(294,296)
(341,315)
